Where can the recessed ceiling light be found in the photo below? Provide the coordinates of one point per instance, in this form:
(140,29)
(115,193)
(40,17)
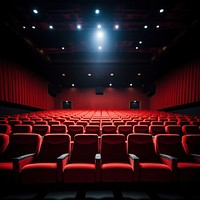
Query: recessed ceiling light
(116,26)
(145,26)
(72,84)
(99,26)
(157,26)
(35,11)
(78,26)
(139,74)
(50,26)
(136,47)
(63,48)
(161,10)
(97,11)
(63,74)
(24,27)
(131,84)
(140,42)
(89,74)
(110,84)
(100,47)
(111,74)
(33,27)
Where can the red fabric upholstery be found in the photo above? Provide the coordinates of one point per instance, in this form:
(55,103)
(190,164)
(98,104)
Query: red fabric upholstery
(140,129)
(92,129)
(125,130)
(151,167)
(81,167)
(41,129)
(107,129)
(174,129)
(4,140)
(5,128)
(19,144)
(45,167)
(188,170)
(75,129)
(115,161)
(191,143)
(190,129)
(58,129)
(156,129)
(22,128)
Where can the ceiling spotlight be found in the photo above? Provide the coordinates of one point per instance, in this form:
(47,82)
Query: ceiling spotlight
(89,74)
(50,26)
(78,26)
(35,11)
(136,47)
(63,74)
(116,26)
(63,48)
(24,27)
(131,84)
(111,74)
(99,26)
(161,10)
(99,34)
(110,84)
(100,47)
(97,11)
(145,26)
(140,42)
(33,27)
(157,26)
(139,74)
(72,84)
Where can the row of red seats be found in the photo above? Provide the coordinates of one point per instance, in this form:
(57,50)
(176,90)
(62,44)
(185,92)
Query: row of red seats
(31,158)
(96,129)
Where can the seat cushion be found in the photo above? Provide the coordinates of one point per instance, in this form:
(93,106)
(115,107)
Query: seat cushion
(79,173)
(117,172)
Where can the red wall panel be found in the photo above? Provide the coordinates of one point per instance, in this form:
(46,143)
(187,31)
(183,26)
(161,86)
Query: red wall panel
(111,99)
(180,86)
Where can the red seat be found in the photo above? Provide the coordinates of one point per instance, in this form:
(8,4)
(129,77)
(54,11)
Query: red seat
(4,140)
(92,129)
(188,167)
(81,167)
(20,144)
(115,163)
(48,165)
(191,143)
(75,129)
(190,129)
(151,165)
(41,129)
(125,130)
(58,128)
(174,129)
(107,129)
(5,128)
(22,128)
(156,129)
(140,129)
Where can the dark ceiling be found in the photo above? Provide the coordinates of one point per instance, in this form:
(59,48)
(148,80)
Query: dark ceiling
(162,48)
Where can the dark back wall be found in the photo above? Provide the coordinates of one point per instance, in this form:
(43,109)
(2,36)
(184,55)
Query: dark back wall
(112,98)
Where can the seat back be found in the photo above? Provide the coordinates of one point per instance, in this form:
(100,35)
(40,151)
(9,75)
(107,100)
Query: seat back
(53,145)
(190,129)
(4,141)
(5,128)
(156,129)
(113,148)
(107,129)
(58,129)
(191,143)
(170,144)
(141,144)
(125,130)
(41,129)
(21,144)
(92,129)
(75,129)
(22,128)
(174,129)
(140,129)
(84,149)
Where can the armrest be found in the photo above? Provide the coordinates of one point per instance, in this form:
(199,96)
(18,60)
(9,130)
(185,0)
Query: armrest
(98,167)
(19,162)
(171,162)
(195,157)
(62,160)
(134,161)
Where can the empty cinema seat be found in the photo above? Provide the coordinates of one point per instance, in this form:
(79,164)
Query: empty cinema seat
(58,128)
(156,129)
(125,130)
(22,128)
(42,129)
(140,129)
(48,165)
(81,167)
(190,129)
(191,143)
(75,129)
(108,129)
(21,149)
(152,167)
(187,168)
(174,129)
(93,129)
(5,128)
(115,161)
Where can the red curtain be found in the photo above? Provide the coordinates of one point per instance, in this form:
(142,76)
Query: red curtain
(181,86)
(21,86)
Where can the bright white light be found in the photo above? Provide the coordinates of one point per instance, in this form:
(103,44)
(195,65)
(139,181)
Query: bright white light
(157,26)
(72,84)
(24,27)
(145,26)
(140,42)
(161,10)
(35,11)
(79,26)
(111,74)
(97,11)
(110,84)
(89,74)
(63,74)
(33,27)
(99,47)
(63,48)
(116,26)
(131,84)
(50,26)
(99,26)
(136,47)
(100,34)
